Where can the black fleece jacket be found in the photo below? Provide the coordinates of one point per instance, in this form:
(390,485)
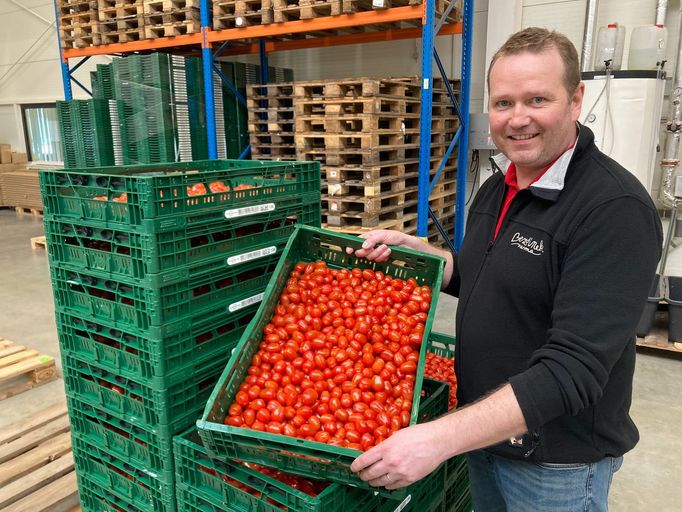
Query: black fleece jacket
(551,304)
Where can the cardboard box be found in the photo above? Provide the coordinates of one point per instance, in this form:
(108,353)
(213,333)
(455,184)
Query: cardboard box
(19,158)
(5,154)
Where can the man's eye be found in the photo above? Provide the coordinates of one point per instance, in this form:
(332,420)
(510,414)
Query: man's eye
(503,104)
(537,100)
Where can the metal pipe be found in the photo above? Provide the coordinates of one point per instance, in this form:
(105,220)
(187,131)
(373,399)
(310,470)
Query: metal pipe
(588,34)
(661,10)
(668,239)
(670,160)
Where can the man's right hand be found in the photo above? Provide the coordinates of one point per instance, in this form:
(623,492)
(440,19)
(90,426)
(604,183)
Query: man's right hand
(375,247)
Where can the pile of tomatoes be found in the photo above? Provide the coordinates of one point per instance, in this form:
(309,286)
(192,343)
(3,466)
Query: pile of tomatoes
(337,362)
(199,189)
(442,369)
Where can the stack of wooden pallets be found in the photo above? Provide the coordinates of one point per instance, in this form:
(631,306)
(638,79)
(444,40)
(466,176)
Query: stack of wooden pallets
(120,21)
(163,18)
(365,134)
(271,121)
(78,23)
(241,13)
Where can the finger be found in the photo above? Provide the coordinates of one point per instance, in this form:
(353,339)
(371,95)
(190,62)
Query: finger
(397,485)
(379,254)
(374,472)
(366,459)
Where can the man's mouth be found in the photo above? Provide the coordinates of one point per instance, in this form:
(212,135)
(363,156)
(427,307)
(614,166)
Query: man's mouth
(524,136)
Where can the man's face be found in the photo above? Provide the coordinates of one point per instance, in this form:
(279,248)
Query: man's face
(532,118)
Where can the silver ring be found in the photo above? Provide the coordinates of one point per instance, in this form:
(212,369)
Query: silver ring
(388,478)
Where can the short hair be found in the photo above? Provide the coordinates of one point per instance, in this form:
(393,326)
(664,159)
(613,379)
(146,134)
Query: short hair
(537,40)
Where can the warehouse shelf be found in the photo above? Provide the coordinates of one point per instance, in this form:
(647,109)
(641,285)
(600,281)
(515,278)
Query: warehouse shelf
(416,21)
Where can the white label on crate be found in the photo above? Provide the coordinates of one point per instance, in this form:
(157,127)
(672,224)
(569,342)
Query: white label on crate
(248,256)
(426,84)
(249,210)
(236,306)
(332,174)
(378,3)
(403,503)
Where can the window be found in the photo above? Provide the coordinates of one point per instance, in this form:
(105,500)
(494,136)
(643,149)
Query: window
(41,132)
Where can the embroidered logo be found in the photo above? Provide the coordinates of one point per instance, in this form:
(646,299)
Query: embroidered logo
(528,244)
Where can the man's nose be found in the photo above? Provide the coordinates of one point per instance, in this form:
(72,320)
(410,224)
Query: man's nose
(519,116)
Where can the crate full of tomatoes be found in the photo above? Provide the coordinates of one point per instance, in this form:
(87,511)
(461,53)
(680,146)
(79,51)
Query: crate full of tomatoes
(440,363)
(333,362)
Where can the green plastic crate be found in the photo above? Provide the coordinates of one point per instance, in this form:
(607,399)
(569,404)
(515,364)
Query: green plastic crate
(140,448)
(165,411)
(141,489)
(295,455)
(174,255)
(159,362)
(158,198)
(442,345)
(141,307)
(94,498)
(195,470)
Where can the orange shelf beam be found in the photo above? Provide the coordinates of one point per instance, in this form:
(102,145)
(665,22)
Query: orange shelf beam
(393,15)
(320,42)
(134,46)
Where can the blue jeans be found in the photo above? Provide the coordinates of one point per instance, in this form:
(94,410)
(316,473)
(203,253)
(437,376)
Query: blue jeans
(504,485)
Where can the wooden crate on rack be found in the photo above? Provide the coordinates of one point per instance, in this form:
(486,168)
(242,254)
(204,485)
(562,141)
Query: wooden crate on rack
(78,23)
(271,121)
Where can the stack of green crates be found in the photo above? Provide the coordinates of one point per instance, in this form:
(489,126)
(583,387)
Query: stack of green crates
(154,283)
(86,133)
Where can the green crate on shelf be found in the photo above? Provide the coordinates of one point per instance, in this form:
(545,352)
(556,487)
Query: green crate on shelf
(161,198)
(95,467)
(173,255)
(140,448)
(195,470)
(159,362)
(290,454)
(164,411)
(148,305)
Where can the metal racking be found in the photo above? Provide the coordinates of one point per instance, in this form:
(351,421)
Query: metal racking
(263,39)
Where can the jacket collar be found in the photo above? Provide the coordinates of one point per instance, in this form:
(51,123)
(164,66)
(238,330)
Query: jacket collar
(551,183)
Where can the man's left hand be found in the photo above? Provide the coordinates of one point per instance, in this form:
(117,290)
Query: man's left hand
(407,456)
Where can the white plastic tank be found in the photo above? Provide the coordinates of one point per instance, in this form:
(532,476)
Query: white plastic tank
(610,43)
(647,46)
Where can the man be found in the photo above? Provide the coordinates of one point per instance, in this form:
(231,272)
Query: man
(560,249)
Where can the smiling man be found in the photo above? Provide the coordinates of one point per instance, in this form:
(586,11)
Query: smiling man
(560,249)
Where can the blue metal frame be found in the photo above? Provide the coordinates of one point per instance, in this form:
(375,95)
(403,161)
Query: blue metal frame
(463,151)
(426,184)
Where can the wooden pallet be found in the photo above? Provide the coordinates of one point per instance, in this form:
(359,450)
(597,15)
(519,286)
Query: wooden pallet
(22,369)
(171,29)
(36,464)
(151,6)
(367,157)
(305,9)
(22,210)
(69,7)
(80,36)
(241,13)
(109,10)
(38,241)
(356,106)
(657,338)
(358,87)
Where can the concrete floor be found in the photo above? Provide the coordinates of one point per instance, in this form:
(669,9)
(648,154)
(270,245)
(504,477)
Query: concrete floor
(647,482)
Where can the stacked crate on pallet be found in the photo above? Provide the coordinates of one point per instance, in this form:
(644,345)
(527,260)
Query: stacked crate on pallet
(120,21)
(78,23)
(156,271)
(272,121)
(292,10)
(165,18)
(356,129)
(241,13)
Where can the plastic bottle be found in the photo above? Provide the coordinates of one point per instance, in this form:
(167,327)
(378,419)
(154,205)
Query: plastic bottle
(647,46)
(610,43)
